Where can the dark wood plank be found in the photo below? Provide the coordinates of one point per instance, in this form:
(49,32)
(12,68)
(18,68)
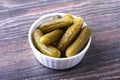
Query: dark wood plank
(101,62)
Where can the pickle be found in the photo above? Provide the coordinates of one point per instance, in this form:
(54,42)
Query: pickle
(56,17)
(70,34)
(57,23)
(80,42)
(51,36)
(46,49)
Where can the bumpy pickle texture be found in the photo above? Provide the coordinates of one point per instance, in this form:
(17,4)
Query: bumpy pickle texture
(57,23)
(70,34)
(51,36)
(80,42)
(46,49)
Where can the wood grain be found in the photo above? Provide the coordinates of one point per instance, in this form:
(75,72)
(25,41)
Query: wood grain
(101,62)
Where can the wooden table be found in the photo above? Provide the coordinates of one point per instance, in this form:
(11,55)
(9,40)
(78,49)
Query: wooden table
(101,62)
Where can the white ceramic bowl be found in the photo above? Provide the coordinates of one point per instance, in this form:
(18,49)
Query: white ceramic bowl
(50,62)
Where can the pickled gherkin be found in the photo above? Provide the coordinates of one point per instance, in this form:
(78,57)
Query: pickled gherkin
(70,34)
(46,49)
(80,42)
(51,25)
(51,36)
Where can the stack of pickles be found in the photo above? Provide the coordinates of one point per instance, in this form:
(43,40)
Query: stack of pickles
(62,36)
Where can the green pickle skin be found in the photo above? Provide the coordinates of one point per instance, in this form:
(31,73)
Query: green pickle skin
(57,23)
(80,42)
(70,34)
(51,37)
(46,49)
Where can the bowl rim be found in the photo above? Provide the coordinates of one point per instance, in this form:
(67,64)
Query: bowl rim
(34,48)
